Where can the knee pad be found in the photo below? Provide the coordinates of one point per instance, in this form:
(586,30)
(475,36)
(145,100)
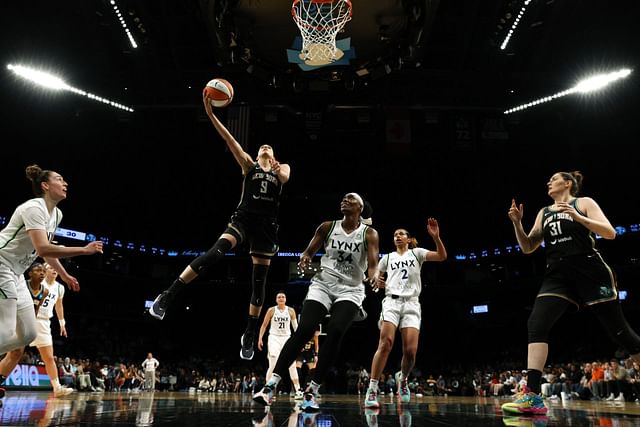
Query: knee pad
(536,331)
(258,283)
(546,312)
(213,255)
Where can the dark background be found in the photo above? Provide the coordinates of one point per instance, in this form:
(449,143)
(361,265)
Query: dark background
(161,177)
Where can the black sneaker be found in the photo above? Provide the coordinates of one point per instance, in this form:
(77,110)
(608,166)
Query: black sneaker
(264,396)
(2,392)
(159,307)
(246,341)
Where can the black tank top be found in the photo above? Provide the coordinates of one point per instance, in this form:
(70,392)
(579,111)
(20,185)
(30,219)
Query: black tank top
(260,192)
(36,297)
(565,237)
(310,345)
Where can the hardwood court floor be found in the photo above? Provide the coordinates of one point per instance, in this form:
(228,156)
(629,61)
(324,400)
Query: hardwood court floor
(184,409)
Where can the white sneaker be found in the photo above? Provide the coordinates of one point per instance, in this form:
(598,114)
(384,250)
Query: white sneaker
(62,391)
(611,397)
(299,395)
(620,398)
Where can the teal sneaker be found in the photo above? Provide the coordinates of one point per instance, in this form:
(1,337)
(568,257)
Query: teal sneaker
(371,401)
(309,403)
(405,418)
(371,415)
(403,389)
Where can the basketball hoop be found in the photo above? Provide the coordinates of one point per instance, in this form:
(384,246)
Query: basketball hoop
(319,22)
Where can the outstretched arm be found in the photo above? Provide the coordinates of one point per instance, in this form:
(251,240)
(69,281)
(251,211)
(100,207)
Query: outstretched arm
(282,170)
(373,253)
(314,245)
(46,249)
(440,254)
(263,327)
(71,281)
(59,307)
(244,160)
(528,243)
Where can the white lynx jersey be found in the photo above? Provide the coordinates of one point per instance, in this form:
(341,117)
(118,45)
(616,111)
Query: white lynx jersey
(403,272)
(280,322)
(345,254)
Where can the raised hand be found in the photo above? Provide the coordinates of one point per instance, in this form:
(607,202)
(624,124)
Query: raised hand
(305,261)
(515,212)
(432,227)
(275,165)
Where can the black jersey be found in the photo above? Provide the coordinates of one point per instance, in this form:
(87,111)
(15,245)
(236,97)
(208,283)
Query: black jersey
(563,236)
(309,345)
(36,297)
(260,192)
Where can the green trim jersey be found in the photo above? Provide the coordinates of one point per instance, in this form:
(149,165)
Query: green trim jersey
(16,249)
(56,292)
(563,236)
(345,255)
(280,322)
(403,272)
(260,192)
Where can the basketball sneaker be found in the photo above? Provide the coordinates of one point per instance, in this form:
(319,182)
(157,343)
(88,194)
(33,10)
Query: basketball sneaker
(159,307)
(405,418)
(62,391)
(309,403)
(371,415)
(526,421)
(403,389)
(264,396)
(308,418)
(299,395)
(2,392)
(264,421)
(371,401)
(246,342)
(527,403)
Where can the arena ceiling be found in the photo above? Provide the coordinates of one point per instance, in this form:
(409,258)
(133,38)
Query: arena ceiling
(439,52)
(438,60)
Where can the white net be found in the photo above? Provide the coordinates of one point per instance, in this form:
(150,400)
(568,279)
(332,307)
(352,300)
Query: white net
(319,22)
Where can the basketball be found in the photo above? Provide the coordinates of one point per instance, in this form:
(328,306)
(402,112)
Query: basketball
(219,92)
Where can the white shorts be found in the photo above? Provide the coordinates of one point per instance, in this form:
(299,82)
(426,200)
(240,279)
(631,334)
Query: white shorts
(14,286)
(275,344)
(402,312)
(43,338)
(330,293)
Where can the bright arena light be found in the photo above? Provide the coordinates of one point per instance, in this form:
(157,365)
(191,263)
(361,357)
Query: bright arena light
(49,81)
(504,44)
(116,10)
(587,85)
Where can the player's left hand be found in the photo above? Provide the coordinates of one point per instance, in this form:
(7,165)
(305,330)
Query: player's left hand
(275,165)
(72,282)
(566,207)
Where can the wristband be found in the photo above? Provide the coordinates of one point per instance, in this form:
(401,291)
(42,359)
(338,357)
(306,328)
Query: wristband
(62,322)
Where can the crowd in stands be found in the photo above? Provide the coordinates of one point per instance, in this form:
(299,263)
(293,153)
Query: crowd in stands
(613,380)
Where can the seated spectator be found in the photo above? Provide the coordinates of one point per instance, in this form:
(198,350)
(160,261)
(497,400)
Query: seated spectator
(67,373)
(204,385)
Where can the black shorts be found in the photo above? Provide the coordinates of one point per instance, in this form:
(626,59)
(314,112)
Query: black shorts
(261,232)
(581,279)
(307,357)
